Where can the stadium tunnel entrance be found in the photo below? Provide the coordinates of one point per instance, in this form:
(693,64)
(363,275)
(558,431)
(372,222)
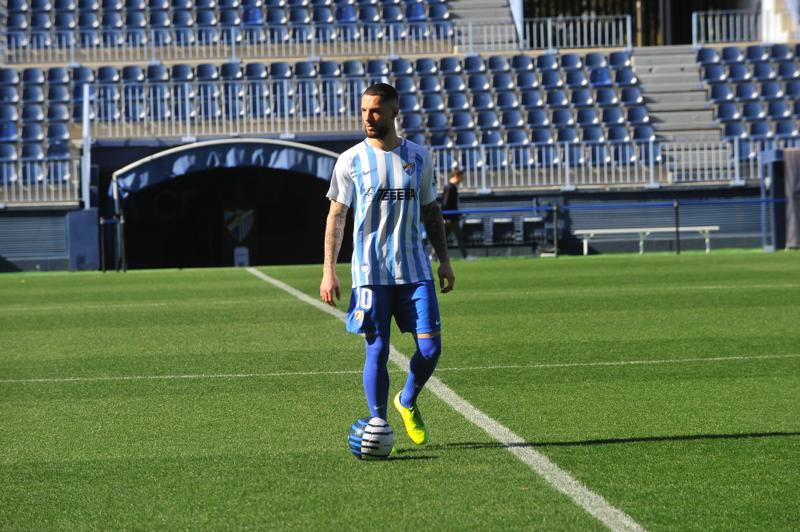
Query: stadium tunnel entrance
(223,203)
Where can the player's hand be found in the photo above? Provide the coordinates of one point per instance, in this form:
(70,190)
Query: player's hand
(329,287)
(447,279)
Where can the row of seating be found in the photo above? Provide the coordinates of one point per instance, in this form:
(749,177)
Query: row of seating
(745,91)
(69,6)
(752,54)
(757,110)
(55,132)
(761,129)
(761,71)
(33,163)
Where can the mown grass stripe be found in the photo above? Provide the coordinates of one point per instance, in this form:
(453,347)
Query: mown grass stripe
(591,502)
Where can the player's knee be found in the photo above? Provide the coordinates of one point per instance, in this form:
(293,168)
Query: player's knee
(430,348)
(377,349)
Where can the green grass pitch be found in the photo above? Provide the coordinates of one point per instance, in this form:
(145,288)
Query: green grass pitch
(210,399)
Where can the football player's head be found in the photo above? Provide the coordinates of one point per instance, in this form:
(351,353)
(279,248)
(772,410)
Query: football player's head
(379,108)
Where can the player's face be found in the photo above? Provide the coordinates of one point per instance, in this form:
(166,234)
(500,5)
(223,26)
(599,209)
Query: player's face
(377,116)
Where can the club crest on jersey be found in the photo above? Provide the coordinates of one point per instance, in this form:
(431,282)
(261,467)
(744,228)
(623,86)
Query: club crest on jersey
(359,316)
(408,168)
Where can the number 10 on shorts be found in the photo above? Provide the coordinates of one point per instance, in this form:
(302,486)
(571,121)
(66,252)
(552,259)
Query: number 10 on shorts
(364,297)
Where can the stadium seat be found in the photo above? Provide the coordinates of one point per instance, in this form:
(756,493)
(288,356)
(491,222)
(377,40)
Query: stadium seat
(753,111)
(619,60)
(507,100)
(450,65)
(32,163)
(546,62)
(777,109)
(727,111)
(638,115)
(624,153)
(503,81)
(715,73)
(576,79)
(541,136)
(426,66)
(756,52)
(587,117)
(57,94)
(538,119)
(512,118)
(32,133)
(617,133)
(781,52)
(738,72)
(8,132)
(605,97)
(517,137)
(707,56)
(473,64)
(600,77)
(522,63)
(557,98)
(786,129)
(763,71)
(562,118)
(626,77)
(454,83)
(760,130)
(57,113)
(32,113)
(462,121)
(595,60)
(531,99)
(57,132)
(457,101)
(527,80)
(58,162)
(482,101)
(432,102)
(405,85)
(498,63)
(478,83)
(437,122)
(570,61)
(551,79)
(721,92)
(746,91)
(409,103)
(429,84)
(441,140)
(631,96)
(731,54)
(487,120)
(33,76)
(771,90)
(643,134)
(32,94)
(580,98)
(734,129)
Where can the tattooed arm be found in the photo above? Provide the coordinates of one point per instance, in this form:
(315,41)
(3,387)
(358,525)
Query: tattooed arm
(434,226)
(334,232)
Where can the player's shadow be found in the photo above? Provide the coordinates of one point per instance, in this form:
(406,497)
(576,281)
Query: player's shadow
(403,456)
(608,441)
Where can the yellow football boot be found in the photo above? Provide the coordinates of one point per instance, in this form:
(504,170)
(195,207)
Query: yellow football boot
(412,420)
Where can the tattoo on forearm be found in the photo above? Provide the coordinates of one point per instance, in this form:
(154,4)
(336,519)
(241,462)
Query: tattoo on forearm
(434,225)
(334,232)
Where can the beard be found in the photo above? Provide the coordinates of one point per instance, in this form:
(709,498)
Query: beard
(378,132)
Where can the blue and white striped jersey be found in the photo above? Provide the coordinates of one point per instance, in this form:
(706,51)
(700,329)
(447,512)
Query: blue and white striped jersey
(385,191)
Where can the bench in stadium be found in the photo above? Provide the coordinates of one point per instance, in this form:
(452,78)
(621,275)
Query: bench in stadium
(644,232)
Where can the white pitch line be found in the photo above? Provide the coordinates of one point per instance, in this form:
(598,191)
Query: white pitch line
(591,502)
(555,365)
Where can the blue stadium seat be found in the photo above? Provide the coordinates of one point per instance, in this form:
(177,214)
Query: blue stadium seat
(392,13)
(458,101)
(465,139)
(538,119)
(771,90)
(587,117)
(626,77)
(594,60)
(473,64)
(777,109)
(402,67)
(531,99)
(503,81)
(788,70)
(9,76)
(732,54)
(631,96)
(746,91)
(454,83)
(551,79)
(562,118)
(408,103)
(183,28)
(8,163)
(507,100)
(760,130)
(638,115)
(135,29)
(715,73)
(606,96)
(425,66)
(494,149)
(230,30)
(438,12)
(8,113)
(432,102)
(57,94)
(753,111)
(57,132)
(327,69)
(378,70)
(612,116)
(32,159)
(763,71)
(33,76)
(548,61)
(113,29)
(617,134)
(624,153)
(738,72)
(650,153)
(482,101)
(793,89)
(512,119)
(786,129)
(429,84)
(541,136)
(418,138)
(522,63)
(576,79)
(756,52)
(478,83)
(498,63)
(58,162)
(8,132)
(159,24)
(32,113)
(599,154)
(570,61)
(412,123)
(487,120)
(527,80)
(405,85)
(32,94)
(517,137)
(557,98)
(727,111)
(415,12)
(581,98)
(643,134)
(462,121)
(441,140)
(450,65)
(57,113)
(721,92)
(592,134)
(437,122)
(619,60)
(600,77)
(707,56)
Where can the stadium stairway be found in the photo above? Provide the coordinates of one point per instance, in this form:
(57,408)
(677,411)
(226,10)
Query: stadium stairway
(497,13)
(676,95)
(678,103)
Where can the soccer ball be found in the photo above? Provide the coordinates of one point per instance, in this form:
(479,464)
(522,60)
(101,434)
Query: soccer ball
(371,439)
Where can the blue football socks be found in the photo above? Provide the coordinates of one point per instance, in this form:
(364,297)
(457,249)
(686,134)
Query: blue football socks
(376,375)
(420,369)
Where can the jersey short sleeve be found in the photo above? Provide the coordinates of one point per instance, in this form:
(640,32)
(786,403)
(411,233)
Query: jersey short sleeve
(427,192)
(342,184)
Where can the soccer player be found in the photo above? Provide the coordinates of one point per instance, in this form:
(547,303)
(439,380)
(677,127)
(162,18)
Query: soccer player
(389,182)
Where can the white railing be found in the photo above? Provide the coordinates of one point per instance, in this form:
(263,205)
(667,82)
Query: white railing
(578,32)
(40,182)
(56,46)
(570,165)
(198,108)
(709,27)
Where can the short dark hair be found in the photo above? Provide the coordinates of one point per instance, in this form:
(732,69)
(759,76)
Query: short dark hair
(387,93)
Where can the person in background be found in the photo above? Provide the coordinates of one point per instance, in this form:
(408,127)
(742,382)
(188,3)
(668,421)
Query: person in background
(452,222)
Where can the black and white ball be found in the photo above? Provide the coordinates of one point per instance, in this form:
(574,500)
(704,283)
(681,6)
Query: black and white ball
(371,439)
